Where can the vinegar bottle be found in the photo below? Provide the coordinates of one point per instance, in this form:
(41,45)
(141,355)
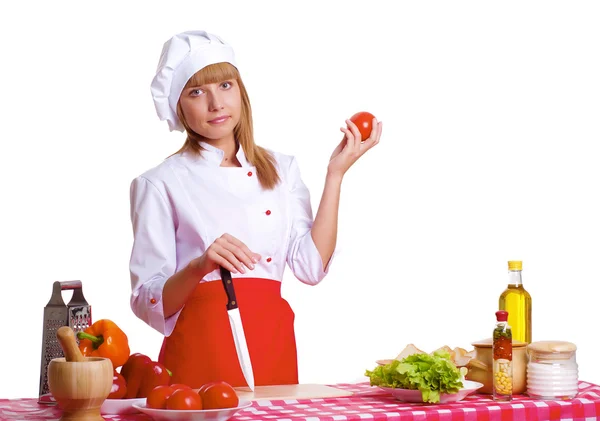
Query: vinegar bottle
(517,302)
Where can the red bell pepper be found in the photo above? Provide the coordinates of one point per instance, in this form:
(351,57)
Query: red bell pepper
(133,372)
(155,374)
(142,375)
(119,387)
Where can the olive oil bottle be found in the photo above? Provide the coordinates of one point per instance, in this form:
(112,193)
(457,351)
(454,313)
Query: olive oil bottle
(517,302)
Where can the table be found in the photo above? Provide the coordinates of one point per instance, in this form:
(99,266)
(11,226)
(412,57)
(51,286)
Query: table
(370,403)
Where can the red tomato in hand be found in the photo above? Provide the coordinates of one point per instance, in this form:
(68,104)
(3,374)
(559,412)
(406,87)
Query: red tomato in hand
(364,122)
(157,397)
(185,399)
(218,395)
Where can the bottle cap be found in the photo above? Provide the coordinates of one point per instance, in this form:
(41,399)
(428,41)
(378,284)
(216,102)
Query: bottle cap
(515,265)
(502,316)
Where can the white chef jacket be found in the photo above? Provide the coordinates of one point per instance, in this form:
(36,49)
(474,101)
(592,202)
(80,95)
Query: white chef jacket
(180,207)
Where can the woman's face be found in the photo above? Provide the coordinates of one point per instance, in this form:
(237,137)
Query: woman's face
(212,110)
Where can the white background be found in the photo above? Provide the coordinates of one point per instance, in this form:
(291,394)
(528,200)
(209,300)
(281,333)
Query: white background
(491,114)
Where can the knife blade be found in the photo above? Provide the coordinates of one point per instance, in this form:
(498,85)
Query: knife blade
(237,328)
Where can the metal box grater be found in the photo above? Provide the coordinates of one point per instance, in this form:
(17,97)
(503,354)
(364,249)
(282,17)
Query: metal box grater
(77,315)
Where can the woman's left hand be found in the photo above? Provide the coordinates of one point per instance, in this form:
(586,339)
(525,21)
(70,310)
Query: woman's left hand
(351,147)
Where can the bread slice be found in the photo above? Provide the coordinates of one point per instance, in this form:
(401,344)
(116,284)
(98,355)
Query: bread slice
(462,357)
(459,356)
(448,350)
(410,349)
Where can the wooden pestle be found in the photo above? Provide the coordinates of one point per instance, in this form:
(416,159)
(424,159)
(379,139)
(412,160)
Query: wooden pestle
(66,338)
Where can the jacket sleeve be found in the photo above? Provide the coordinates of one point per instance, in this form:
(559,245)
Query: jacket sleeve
(153,257)
(303,256)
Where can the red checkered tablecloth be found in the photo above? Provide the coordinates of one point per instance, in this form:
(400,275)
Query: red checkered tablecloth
(370,403)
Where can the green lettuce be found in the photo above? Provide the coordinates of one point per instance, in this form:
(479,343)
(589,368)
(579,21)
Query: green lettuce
(431,374)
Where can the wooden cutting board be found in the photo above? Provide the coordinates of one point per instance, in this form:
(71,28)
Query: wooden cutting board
(291,391)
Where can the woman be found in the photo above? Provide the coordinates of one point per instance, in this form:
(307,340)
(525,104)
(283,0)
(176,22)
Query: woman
(222,201)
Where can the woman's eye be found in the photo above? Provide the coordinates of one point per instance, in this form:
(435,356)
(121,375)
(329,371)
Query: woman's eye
(226,85)
(196,92)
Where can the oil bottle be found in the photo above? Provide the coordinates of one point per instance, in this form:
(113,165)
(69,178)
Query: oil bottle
(517,302)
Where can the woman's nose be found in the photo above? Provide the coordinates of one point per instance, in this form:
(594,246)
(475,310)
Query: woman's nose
(215,102)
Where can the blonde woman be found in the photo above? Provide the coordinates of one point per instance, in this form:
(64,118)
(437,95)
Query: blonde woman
(222,201)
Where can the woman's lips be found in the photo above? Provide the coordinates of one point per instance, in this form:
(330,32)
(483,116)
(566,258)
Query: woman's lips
(219,120)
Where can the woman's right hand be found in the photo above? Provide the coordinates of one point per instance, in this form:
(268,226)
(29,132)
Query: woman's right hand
(228,252)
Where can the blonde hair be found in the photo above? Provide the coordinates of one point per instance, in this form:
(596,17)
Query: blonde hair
(243,131)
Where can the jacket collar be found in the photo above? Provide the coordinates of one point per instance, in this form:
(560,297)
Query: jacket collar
(214,156)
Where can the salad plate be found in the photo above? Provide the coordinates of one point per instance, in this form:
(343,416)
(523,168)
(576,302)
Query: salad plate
(415,396)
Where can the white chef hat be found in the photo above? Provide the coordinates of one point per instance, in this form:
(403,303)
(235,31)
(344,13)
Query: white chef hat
(182,56)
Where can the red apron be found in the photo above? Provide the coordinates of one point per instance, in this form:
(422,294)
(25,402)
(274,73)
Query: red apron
(201,348)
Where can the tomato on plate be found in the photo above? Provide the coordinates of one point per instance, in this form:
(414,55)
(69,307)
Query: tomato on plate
(185,399)
(205,386)
(177,386)
(218,395)
(364,122)
(157,397)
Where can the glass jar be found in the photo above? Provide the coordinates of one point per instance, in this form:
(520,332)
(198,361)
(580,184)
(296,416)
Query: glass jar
(552,371)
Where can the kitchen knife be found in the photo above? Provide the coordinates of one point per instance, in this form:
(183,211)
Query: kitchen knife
(237,328)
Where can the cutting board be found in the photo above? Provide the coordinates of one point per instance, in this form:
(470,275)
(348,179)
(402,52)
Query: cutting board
(291,391)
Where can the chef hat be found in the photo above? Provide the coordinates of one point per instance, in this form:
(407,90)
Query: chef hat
(182,56)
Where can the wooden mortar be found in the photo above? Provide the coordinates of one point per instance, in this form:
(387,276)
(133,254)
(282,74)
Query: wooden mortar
(79,384)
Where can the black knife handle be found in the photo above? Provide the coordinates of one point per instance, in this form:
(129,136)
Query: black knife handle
(228,285)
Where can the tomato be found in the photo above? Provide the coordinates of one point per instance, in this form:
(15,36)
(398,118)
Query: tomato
(177,386)
(157,397)
(185,399)
(364,122)
(218,395)
(205,386)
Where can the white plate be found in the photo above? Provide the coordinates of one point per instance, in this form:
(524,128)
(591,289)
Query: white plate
(121,406)
(407,395)
(190,415)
